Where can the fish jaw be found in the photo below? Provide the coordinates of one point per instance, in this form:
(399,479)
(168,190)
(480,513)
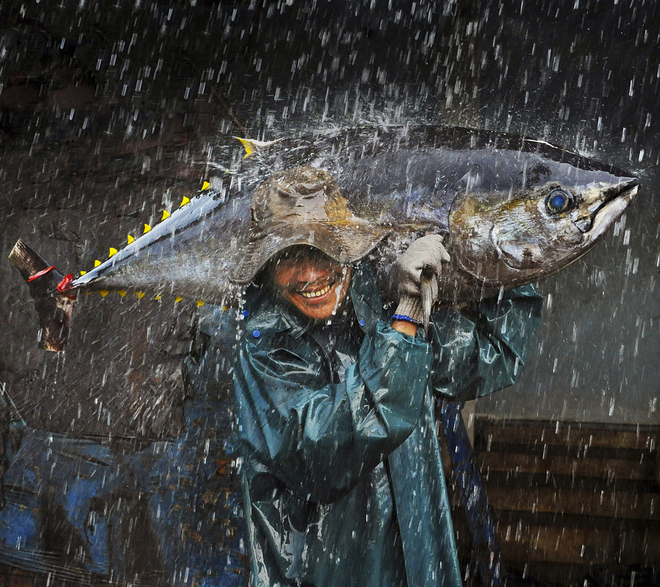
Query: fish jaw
(603,205)
(510,240)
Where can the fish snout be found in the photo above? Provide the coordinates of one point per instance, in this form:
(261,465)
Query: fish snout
(619,189)
(602,202)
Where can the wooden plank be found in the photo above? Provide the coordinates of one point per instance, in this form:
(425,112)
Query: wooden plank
(614,504)
(568,435)
(556,544)
(560,465)
(577,545)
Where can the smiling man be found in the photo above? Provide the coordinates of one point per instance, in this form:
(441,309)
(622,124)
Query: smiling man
(342,477)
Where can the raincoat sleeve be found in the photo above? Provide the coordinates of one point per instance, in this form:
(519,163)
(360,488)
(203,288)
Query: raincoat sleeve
(318,438)
(484,347)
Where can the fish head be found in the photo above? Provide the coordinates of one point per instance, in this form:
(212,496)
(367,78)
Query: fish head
(535,227)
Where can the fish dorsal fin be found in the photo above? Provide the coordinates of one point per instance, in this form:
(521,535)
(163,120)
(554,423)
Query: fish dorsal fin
(254,146)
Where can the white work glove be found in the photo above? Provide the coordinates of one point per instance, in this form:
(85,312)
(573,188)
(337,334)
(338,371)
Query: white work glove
(427,251)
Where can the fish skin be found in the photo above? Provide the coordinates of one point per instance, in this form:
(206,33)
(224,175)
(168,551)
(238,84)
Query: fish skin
(484,191)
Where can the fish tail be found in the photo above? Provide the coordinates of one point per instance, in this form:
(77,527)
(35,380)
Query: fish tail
(51,292)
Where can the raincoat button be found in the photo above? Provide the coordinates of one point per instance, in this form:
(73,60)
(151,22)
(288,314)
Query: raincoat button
(256,333)
(361,322)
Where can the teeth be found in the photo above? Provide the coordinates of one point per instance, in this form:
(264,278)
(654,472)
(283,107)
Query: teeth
(315,294)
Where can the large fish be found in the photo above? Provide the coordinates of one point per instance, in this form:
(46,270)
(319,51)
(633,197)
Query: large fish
(511,209)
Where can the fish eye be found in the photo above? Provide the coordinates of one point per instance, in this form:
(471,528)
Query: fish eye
(558,201)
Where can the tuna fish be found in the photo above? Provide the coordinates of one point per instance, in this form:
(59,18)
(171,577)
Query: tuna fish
(512,210)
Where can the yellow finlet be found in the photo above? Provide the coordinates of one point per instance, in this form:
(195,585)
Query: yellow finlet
(83,272)
(178,299)
(157,298)
(130,239)
(113,252)
(122,294)
(206,185)
(97,263)
(166,214)
(147,228)
(139,294)
(104,292)
(200,303)
(185,201)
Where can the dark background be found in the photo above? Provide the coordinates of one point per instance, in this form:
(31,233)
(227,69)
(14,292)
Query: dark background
(112,111)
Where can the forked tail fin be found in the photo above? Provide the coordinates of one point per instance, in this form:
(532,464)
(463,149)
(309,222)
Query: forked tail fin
(48,288)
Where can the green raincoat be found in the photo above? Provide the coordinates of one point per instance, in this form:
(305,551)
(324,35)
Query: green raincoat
(342,477)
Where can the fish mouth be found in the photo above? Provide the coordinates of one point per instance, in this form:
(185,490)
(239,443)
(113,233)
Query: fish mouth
(611,204)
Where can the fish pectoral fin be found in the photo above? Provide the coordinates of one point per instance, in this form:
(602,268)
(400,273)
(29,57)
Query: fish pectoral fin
(515,254)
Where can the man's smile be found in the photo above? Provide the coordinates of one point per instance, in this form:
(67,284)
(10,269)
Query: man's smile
(319,287)
(314,294)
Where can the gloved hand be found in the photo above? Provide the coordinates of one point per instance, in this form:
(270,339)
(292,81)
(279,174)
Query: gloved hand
(426,251)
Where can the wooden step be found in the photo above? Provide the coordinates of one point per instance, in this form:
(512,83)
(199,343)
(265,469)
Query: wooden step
(599,467)
(570,497)
(608,504)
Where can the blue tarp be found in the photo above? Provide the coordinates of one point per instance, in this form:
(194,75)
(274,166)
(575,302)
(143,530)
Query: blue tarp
(136,511)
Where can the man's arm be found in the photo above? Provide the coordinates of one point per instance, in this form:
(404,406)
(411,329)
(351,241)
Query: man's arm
(484,348)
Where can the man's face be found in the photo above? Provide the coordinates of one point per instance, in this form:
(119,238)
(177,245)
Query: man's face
(311,281)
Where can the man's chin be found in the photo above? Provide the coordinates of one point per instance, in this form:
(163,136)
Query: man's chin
(321,310)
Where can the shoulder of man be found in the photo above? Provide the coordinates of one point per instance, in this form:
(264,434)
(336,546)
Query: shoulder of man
(365,295)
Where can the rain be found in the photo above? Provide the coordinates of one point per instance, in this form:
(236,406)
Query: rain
(120,454)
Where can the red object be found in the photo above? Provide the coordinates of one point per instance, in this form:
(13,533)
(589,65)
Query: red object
(65,284)
(40,273)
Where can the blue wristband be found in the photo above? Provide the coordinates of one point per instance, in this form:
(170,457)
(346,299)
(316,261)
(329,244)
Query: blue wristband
(405,318)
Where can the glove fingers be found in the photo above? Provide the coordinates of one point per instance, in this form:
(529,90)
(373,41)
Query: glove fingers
(427,251)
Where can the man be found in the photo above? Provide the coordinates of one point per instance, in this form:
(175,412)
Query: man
(342,477)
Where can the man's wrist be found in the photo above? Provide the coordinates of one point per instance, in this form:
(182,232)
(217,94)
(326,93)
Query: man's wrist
(409,309)
(404,318)
(404,327)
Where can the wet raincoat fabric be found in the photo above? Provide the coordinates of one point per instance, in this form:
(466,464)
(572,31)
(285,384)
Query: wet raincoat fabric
(342,476)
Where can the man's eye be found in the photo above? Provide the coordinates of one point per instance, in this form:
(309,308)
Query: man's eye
(558,201)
